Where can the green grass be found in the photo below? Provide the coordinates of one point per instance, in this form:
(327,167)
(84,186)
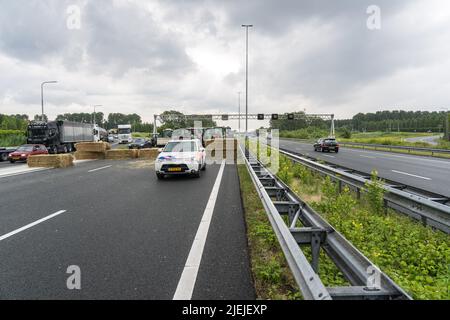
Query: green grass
(272,277)
(394,139)
(141,135)
(414,256)
(10,138)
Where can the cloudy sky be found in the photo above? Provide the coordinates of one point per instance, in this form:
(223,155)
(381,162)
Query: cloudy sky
(149,56)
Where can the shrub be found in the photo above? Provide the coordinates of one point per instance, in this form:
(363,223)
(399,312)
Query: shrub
(375,193)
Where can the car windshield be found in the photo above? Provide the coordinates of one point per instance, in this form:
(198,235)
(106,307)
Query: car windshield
(25,148)
(166,134)
(181,146)
(125,131)
(213,133)
(330,140)
(185,133)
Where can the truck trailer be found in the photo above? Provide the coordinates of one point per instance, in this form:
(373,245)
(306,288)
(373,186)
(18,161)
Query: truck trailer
(59,136)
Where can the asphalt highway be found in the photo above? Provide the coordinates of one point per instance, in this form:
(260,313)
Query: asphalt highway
(129,233)
(426,173)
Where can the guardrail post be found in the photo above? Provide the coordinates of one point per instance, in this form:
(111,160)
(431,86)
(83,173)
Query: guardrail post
(247,146)
(315,251)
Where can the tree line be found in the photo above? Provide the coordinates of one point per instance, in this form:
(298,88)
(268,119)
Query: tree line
(398,120)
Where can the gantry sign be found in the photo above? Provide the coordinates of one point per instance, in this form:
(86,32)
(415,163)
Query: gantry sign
(253,116)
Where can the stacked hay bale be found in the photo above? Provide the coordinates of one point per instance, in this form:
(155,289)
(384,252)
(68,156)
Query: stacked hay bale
(91,150)
(222,149)
(50,161)
(149,154)
(121,154)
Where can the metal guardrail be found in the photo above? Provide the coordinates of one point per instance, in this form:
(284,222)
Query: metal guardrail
(429,210)
(390,147)
(278,201)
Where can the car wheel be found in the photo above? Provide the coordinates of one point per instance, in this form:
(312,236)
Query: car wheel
(12,161)
(4,156)
(160,176)
(54,150)
(65,149)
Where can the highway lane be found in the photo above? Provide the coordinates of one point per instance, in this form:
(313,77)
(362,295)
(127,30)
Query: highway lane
(129,233)
(421,172)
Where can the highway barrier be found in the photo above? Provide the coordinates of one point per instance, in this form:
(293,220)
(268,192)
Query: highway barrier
(149,154)
(91,150)
(121,154)
(89,155)
(286,211)
(224,148)
(92,146)
(50,161)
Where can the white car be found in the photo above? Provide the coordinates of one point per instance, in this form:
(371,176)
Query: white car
(181,157)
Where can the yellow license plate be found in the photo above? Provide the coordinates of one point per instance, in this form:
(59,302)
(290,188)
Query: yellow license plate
(174,169)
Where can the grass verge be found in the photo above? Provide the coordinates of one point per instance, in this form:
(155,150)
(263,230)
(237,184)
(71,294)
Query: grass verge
(416,257)
(272,277)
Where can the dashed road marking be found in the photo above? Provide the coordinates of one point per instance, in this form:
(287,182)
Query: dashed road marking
(411,175)
(10,234)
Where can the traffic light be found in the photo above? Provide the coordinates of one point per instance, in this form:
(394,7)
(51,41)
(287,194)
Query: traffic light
(275,116)
(291,116)
(260,116)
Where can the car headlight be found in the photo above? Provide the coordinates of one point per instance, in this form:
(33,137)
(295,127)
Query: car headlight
(23,155)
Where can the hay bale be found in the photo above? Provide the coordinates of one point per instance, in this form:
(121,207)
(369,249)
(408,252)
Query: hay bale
(50,161)
(92,146)
(225,144)
(121,154)
(150,154)
(88,155)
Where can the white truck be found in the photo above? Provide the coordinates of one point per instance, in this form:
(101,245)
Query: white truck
(124,132)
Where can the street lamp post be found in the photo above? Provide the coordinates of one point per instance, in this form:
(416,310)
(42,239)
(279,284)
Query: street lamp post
(246,26)
(239,108)
(42,97)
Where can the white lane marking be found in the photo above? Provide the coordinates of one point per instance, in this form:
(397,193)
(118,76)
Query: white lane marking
(17,173)
(188,278)
(10,234)
(105,167)
(412,175)
(325,155)
(369,157)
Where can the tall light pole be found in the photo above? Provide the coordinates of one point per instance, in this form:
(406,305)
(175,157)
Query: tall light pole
(246,26)
(42,97)
(239,108)
(97,105)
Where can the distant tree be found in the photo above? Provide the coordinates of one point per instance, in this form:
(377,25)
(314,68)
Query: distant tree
(38,117)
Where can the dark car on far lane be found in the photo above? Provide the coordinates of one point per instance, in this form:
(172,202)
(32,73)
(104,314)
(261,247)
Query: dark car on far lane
(326,145)
(140,143)
(26,150)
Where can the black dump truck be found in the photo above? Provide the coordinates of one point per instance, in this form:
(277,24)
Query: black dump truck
(59,136)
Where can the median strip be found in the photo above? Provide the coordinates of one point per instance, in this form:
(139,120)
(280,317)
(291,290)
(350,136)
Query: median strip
(10,234)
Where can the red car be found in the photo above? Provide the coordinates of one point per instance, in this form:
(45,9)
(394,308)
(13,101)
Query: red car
(23,152)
